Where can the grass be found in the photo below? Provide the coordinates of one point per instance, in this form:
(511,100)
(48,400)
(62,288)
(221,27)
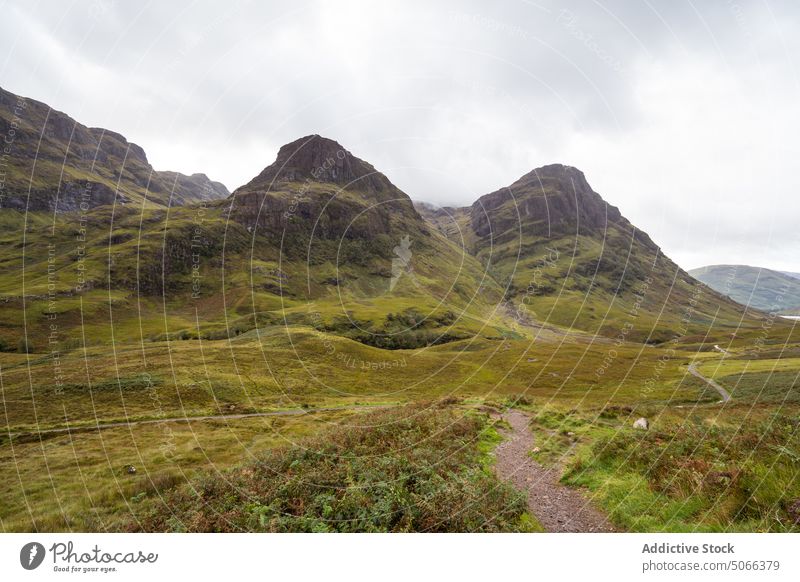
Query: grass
(78,482)
(417,468)
(279,334)
(280,367)
(138,311)
(285,361)
(700,470)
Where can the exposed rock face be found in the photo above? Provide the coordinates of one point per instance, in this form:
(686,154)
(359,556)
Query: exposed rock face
(435,213)
(69,198)
(188,189)
(53,162)
(550,201)
(316,189)
(318,159)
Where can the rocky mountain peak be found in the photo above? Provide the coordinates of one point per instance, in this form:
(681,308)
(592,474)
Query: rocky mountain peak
(319,159)
(558,176)
(552,200)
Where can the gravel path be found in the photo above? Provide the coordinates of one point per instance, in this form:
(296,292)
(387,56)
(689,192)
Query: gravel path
(557,507)
(697,374)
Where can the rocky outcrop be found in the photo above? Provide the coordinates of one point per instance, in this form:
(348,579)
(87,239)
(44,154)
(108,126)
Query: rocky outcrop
(318,190)
(51,162)
(71,197)
(317,159)
(189,189)
(551,200)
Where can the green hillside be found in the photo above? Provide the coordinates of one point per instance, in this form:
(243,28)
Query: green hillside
(343,254)
(566,257)
(764,289)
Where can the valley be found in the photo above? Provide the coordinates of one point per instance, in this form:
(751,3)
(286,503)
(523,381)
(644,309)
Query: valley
(316,352)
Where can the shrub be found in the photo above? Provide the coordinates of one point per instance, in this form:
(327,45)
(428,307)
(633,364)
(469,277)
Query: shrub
(408,469)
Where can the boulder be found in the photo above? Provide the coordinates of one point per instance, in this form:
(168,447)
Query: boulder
(641,423)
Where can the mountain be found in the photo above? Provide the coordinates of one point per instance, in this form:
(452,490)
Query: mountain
(321,239)
(764,289)
(52,162)
(793,275)
(318,238)
(565,256)
(350,241)
(317,192)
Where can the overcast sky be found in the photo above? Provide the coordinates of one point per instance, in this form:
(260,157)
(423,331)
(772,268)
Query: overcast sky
(683,114)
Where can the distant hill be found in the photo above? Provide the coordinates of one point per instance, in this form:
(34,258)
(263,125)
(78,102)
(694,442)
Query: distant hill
(754,286)
(52,162)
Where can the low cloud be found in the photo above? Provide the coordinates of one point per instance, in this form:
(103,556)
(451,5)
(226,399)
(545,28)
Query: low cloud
(684,116)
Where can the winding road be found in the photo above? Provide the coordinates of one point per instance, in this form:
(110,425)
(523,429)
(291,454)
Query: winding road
(697,374)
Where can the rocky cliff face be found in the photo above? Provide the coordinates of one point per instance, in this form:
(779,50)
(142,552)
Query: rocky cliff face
(51,162)
(551,200)
(189,189)
(317,159)
(316,189)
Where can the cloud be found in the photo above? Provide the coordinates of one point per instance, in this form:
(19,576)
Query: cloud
(682,114)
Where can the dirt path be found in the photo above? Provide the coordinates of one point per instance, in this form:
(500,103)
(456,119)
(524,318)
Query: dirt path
(557,507)
(697,374)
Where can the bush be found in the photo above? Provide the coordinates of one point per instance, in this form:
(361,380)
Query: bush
(407,330)
(692,476)
(408,469)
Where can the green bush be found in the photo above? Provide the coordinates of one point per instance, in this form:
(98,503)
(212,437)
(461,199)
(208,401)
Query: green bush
(407,469)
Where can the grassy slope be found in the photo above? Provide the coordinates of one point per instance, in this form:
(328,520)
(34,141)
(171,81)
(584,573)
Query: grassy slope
(565,257)
(418,469)
(698,468)
(79,482)
(276,357)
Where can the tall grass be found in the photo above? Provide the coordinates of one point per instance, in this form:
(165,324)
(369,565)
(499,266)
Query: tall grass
(414,468)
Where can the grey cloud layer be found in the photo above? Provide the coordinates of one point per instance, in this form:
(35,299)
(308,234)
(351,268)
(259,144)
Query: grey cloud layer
(683,114)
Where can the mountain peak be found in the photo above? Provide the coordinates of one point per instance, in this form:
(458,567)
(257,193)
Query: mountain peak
(556,173)
(550,201)
(319,159)
(305,148)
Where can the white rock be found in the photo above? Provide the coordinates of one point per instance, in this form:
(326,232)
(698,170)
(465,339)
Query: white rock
(641,423)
